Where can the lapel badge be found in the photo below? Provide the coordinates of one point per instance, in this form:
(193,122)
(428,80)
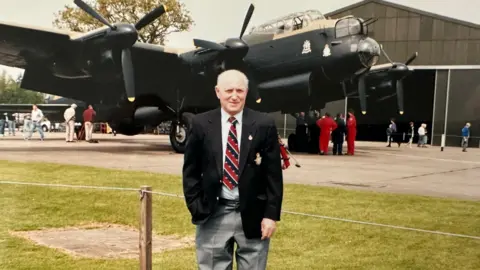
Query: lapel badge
(250,137)
(258,160)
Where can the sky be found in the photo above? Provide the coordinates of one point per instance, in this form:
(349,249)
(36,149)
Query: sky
(228,22)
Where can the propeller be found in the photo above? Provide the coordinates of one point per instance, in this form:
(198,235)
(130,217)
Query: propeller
(233,51)
(127,63)
(399,71)
(236,45)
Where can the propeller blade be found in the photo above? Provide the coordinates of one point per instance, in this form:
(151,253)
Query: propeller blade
(399,88)
(208,45)
(92,12)
(362,94)
(128,75)
(246,21)
(410,60)
(150,17)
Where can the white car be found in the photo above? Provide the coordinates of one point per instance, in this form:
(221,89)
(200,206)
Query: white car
(45,124)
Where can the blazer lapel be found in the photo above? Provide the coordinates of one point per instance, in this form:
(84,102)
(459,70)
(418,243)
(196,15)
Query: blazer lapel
(215,133)
(248,133)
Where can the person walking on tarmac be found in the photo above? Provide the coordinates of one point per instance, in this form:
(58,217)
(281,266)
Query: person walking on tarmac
(351,133)
(338,134)
(69,116)
(326,125)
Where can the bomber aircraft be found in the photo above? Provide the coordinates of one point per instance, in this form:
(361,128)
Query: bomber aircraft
(292,62)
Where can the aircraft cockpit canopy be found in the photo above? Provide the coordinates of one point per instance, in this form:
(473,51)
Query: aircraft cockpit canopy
(291,22)
(350,25)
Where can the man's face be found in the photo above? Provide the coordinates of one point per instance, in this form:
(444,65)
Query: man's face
(232,97)
(34,107)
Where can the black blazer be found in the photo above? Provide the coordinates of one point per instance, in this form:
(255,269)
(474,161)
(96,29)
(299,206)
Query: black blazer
(260,186)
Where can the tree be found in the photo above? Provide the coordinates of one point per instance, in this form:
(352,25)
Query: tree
(176,19)
(12,93)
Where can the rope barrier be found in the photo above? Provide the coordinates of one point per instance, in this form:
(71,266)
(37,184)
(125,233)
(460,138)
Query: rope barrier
(284,211)
(382,225)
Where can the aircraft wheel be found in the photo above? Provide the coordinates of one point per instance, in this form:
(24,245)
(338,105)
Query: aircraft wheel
(179,132)
(291,142)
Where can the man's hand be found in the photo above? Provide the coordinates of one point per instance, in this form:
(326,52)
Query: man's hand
(268,228)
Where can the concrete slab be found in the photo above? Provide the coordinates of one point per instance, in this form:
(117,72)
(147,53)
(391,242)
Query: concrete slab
(423,171)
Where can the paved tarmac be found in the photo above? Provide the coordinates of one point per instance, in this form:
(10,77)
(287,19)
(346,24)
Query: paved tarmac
(423,171)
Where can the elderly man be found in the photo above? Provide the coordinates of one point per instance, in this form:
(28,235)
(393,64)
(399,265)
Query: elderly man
(88,118)
(69,116)
(232,179)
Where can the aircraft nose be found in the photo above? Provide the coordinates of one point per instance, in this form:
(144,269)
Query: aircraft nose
(368,51)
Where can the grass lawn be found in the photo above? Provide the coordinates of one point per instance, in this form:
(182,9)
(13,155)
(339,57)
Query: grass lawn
(300,242)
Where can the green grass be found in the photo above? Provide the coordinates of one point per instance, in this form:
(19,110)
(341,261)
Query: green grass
(300,242)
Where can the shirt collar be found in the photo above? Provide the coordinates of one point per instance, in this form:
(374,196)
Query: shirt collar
(225,116)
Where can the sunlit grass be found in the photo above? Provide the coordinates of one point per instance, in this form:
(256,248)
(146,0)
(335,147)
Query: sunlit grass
(300,243)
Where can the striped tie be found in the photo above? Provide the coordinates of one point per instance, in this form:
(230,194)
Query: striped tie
(230,168)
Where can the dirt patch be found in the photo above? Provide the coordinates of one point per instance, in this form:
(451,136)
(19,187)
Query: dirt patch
(101,241)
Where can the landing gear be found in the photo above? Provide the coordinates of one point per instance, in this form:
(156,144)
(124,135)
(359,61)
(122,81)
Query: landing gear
(179,132)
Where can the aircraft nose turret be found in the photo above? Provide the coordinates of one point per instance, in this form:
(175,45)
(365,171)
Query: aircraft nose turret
(368,51)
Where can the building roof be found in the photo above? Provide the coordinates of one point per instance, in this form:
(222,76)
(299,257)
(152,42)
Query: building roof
(410,9)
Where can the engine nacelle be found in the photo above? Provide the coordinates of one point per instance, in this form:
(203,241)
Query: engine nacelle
(143,116)
(105,66)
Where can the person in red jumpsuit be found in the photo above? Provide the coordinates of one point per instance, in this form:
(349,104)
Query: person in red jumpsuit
(351,133)
(326,125)
(283,154)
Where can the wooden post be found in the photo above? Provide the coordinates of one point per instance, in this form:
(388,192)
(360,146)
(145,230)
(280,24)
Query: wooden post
(146,229)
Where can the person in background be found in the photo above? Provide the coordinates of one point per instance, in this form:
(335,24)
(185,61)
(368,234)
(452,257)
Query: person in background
(36,118)
(2,125)
(338,134)
(392,132)
(326,125)
(412,133)
(422,135)
(301,131)
(465,136)
(27,125)
(351,132)
(88,118)
(69,116)
(12,121)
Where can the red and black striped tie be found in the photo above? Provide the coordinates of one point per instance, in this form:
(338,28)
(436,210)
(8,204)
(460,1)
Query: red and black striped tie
(230,168)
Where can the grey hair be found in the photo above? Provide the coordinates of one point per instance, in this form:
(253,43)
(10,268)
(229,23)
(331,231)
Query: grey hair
(232,76)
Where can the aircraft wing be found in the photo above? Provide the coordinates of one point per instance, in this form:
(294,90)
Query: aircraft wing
(55,63)
(21,44)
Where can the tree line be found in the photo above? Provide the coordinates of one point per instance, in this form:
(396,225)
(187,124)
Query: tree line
(12,93)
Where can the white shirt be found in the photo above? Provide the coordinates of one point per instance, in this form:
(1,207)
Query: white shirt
(69,113)
(37,115)
(227,193)
(421,131)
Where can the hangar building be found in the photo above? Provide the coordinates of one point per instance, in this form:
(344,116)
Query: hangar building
(444,89)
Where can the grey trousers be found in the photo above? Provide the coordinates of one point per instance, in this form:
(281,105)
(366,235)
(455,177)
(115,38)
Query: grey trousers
(464,143)
(215,240)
